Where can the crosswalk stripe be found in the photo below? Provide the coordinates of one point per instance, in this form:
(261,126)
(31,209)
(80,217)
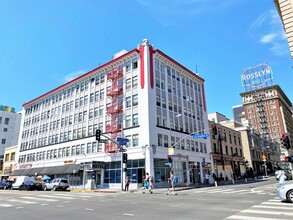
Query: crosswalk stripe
(75,195)
(272,207)
(266,212)
(40,199)
(21,201)
(277,203)
(240,217)
(237,191)
(5,205)
(55,196)
(219,190)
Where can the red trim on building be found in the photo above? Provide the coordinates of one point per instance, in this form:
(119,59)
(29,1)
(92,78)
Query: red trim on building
(82,76)
(204,98)
(151,67)
(178,64)
(141,52)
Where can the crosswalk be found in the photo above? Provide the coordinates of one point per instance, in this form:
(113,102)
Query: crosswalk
(44,199)
(273,209)
(235,191)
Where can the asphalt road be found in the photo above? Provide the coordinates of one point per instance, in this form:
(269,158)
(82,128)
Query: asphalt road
(245,201)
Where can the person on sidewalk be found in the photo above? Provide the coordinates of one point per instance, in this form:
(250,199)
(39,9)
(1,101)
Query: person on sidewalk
(172,181)
(127,182)
(151,184)
(207,176)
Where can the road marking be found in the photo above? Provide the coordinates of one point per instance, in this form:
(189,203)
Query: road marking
(128,214)
(174,205)
(277,203)
(237,191)
(239,217)
(21,201)
(89,209)
(220,190)
(40,199)
(5,205)
(272,207)
(266,212)
(19,207)
(52,196)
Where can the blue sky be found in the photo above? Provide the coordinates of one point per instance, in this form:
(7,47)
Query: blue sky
(45,43)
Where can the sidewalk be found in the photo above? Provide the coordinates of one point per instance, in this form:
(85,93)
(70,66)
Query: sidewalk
(179,187)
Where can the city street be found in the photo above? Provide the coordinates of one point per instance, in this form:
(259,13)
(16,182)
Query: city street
(243,201)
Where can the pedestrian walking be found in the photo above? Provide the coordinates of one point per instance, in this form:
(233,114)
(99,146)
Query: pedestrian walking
(207,176)
(151,184)
(172,180)
(127,182)
(282,178)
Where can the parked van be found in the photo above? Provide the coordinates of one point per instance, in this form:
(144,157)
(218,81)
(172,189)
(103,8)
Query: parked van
(20,180)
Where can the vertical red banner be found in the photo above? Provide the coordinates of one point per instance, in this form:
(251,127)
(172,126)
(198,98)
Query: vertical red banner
(141,53)
(151,67)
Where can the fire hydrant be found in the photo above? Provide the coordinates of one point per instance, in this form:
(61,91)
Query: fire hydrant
(187,183)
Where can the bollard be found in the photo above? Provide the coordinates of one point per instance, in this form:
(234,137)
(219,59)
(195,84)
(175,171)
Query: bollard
(246,180)
(216,184)
(255,178)
(233,182)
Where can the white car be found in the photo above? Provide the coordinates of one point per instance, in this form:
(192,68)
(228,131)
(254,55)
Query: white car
(57,184)
(285,192)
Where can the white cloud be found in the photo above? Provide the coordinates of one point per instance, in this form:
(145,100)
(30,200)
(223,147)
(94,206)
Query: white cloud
(73,75)
(268,38)
(268,29)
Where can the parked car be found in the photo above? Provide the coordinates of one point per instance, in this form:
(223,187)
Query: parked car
(57,184)
(285,192)
(20,180)
(6,184)
(31,185)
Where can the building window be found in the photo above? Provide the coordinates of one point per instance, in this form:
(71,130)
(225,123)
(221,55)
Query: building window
(160,141)
(128,121)
(135,100)
(134,82)
(128,102)
(6,121)
(5,129)
(3,141)
(135,140)
(128,84)
(135,119)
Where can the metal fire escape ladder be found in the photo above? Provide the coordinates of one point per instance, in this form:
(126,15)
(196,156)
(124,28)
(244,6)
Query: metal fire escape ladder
(115,109)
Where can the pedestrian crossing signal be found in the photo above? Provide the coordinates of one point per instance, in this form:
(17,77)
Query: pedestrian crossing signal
(98,135)
(214,129)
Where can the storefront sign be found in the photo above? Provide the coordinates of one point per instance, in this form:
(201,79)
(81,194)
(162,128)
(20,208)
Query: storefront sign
(170,151)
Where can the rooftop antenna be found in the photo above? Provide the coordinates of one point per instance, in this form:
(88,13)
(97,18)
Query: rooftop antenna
(196,68)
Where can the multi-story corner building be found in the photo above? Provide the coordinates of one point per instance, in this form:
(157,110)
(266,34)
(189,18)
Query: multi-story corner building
(227,148)
(8,162)
(9,129)
(268,111)
(285,10)
(143,96)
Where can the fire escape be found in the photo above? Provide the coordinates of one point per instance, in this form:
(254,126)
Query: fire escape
(115,108)
(262,114)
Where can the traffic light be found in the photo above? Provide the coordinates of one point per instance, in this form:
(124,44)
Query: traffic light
(285,141)
(288,159)
(98,135)
(169,159)
(214,129)
(125,157)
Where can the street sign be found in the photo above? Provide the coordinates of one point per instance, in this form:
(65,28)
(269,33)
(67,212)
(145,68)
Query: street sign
(168,164)
(196,136)
(122,141)
(103,141)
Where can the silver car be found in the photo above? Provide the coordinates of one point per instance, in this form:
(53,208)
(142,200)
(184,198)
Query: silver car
(285,192)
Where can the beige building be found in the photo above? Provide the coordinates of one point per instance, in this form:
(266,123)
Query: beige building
(285,10)
(8,162)
(227,151)
(268,111)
